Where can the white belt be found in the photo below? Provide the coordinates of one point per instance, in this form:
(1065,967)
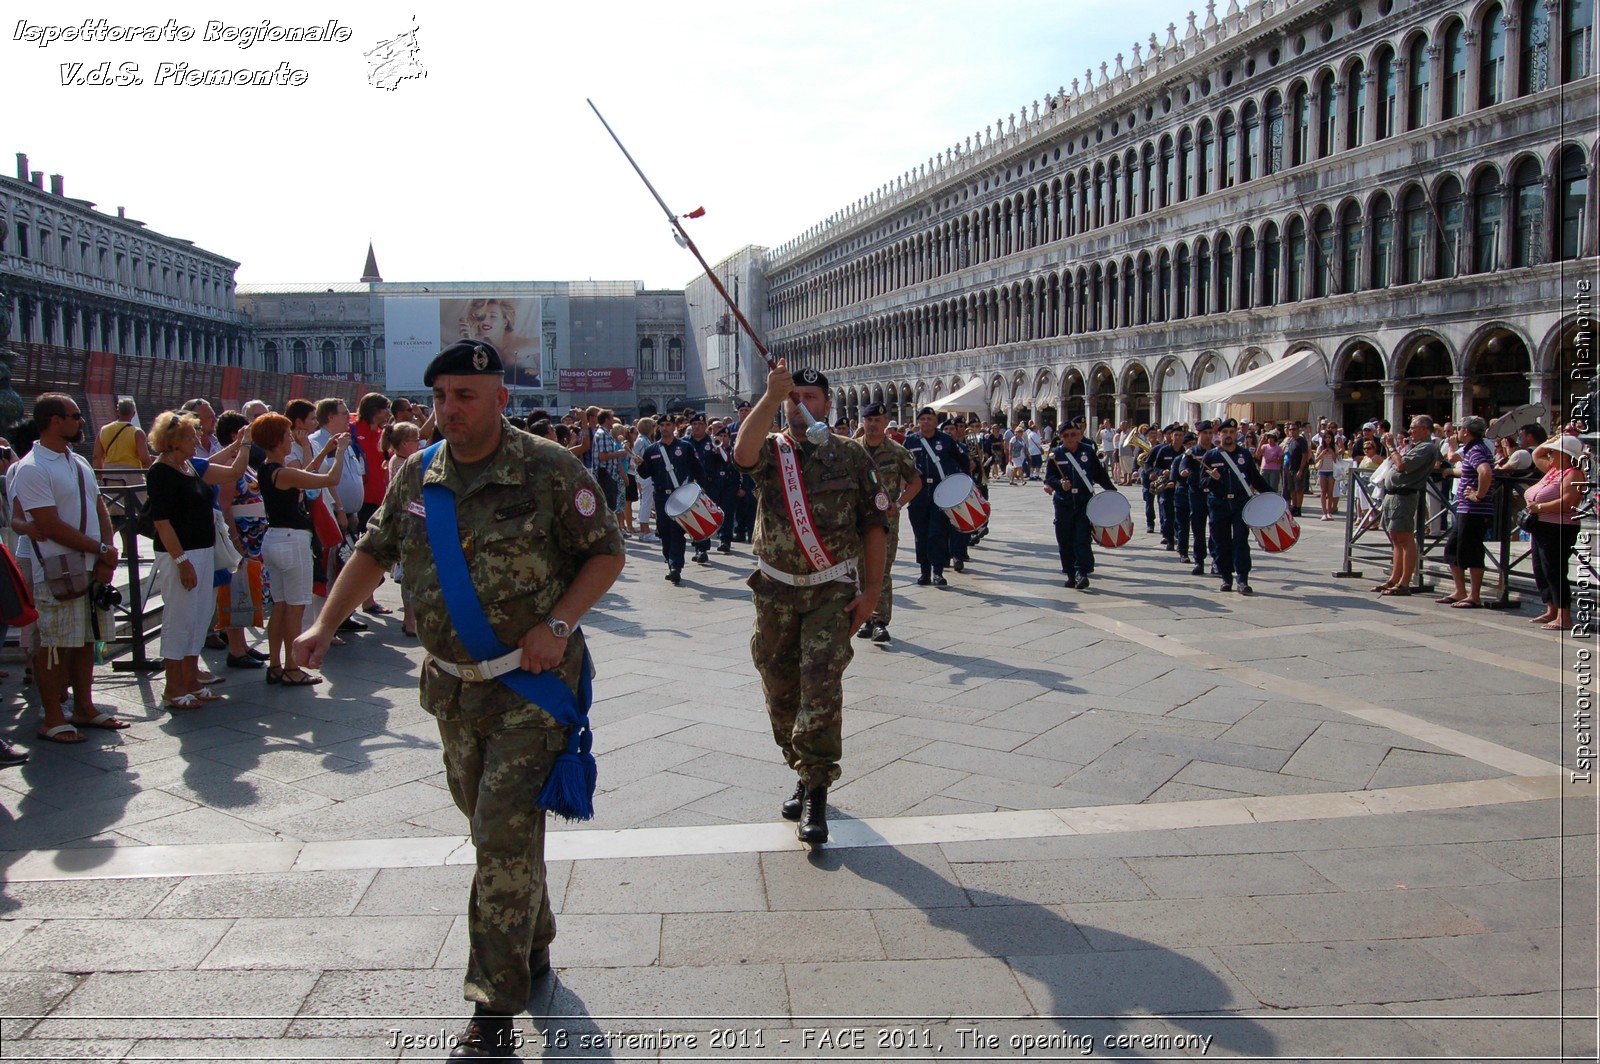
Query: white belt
(481,671)
(844,571)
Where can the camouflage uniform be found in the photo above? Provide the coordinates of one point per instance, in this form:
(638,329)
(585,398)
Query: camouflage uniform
(801,641)
(896,469)
(529,519)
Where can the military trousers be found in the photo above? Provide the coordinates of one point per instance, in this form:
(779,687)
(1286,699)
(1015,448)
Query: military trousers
(671,533)
(1231,537)
(801,645)
(931,527)
(1191,513)
(1072,532)
(496,766)
(726,499)
(1166,507)
(1149,503)
(891,546)
(744,507)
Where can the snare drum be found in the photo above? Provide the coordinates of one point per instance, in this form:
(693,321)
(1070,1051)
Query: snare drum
(694,511)
(958,496)
(1110,519)
(1270,521)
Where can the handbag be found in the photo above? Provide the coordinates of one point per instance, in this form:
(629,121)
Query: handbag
(226,555)
(239,603)
(1527,520)
(67,575)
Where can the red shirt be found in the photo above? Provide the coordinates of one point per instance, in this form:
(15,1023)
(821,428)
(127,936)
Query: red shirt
(376,483)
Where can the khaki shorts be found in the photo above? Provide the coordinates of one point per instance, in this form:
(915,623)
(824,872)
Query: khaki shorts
(61,625)
(1398,513)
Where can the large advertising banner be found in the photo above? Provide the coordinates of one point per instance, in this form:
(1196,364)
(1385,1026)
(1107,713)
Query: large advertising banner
(416,329)
(586,381)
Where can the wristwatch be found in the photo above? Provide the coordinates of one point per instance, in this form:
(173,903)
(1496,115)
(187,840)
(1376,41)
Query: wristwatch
(106,548)
(561,628)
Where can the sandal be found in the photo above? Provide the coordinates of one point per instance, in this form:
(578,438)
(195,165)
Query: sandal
(1467,604)
(55,735)
(274,674)
(103,721)
(1399,591)
(181,702)
(1448,600)
(377,610)
(1381,588)
(305,680)
(1555,626)
(206,694)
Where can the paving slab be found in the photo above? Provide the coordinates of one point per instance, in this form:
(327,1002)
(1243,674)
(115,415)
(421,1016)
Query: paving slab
(329,943)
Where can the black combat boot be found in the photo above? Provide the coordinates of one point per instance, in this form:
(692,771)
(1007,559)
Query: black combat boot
(487,1037)
(814,819)
(791,805)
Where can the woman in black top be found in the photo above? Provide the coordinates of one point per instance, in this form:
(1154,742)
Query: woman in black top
(181,499)
(286,549)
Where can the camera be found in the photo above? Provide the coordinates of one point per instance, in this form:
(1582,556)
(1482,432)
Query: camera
(104,597)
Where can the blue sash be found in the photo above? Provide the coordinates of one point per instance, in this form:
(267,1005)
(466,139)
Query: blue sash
(569,792)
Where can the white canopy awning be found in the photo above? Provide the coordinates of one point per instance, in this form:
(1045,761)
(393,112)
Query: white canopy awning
(967,399)
(1299,378)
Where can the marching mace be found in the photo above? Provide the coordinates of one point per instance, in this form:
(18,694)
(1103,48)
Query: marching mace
(816,431)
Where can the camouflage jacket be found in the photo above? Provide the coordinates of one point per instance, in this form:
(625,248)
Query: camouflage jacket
(527,524)
(896,468)
(843,489)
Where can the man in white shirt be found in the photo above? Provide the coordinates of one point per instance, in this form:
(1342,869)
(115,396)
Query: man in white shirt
(70,531)
(333,418)
(208,427)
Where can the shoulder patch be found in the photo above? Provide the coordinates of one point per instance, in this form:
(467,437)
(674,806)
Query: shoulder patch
(881,501)
(415,506)
(584,500)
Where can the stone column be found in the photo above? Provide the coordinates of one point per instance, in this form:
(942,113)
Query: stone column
(1458,399)
(1435,83)
(1470,86)
(1392,400)
(10,401)
(1542,388)
(1369,121)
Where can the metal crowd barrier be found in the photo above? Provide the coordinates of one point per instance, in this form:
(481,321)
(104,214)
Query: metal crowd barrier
(1508,557)
(135,618)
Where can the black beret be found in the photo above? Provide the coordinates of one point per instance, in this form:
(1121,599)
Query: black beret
(1204,426)
(464,358)
(697,419)
(927,410)
(1230,423)
(1189,437)
(874,410)
(812,378)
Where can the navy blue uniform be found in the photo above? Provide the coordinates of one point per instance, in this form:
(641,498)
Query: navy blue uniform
(1070,497)
(722,479)
(929,523)
(705,450)
(1226,497)
(685,466)
(1189,504)
(1160,461)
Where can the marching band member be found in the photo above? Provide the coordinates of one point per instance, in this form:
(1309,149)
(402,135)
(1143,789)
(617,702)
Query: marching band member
(1158,470)
(819,548)
(897,474)
(960,541)
(670,464)
(1231,472)
(717,460)
(1190,473)
(936,456)
(700,439)
(1070,478)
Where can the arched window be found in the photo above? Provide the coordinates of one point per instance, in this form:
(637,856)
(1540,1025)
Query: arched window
(298,351)
(1388,95)
(1129,293)
(1228,161)
(1271,264)
(1417,84)
(1169,173)
(1250,165)
(1113,179)
(1492,58)
(1355,123)
(330,358)
(1574,203)
(1163,285)
(1185,165)
(1414,212)
(1382,242)
(1147,180)
(1204,154)
(269,357)
(1295,288)
(1577,54)
(1272,157)
(1224,274)
(1202,278)
(1180,309)
(1454,56)
(1486,198)
(1099,195)
(1146,289)
(1247,270)
(1325,254)
(1350,241)
(358,357)
(674,355)
(1527,238)
(1452,229)
(1327,116)
(1300,134)
(1534,48)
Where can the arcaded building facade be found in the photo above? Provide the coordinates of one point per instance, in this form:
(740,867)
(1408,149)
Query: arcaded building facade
(1403,187)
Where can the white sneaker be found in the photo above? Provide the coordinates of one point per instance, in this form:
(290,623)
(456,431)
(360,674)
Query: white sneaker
(649,537)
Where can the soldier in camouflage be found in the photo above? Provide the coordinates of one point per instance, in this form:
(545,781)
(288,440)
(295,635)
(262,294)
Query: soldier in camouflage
(897,473)
(541,548)
(805,611)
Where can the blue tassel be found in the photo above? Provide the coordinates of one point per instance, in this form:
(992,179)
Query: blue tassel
(569,792)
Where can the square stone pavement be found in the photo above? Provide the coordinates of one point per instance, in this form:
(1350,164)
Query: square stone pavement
(1438,933)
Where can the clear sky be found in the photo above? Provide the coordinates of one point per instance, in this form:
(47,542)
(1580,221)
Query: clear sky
(770,115)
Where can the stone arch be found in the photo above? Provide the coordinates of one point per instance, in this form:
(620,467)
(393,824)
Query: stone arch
(1073,392)
(1575,392)
(1498,364)
(1413,342)
(1171,380)
(1424,363)
(1137,398)
(1249,359)
(1101,395)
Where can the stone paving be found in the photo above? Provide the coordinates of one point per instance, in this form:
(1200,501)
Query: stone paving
(1150,820)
